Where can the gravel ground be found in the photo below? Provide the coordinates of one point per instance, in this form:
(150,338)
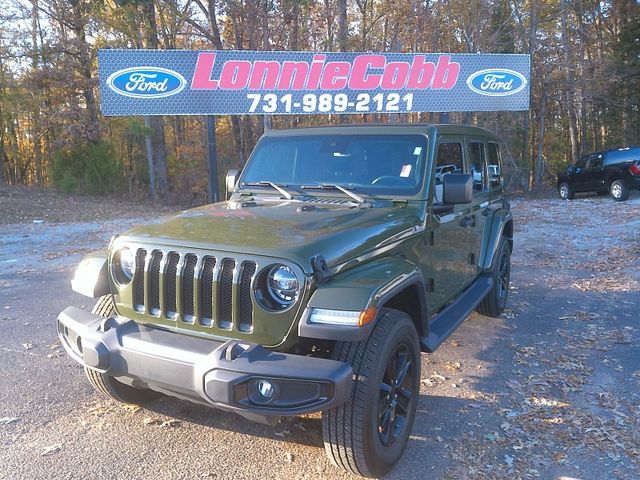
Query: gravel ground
(549,390)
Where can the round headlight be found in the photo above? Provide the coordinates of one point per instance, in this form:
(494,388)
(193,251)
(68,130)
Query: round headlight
(283,284)
(125,265)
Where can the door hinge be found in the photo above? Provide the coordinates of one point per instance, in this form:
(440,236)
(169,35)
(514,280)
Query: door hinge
(431,285)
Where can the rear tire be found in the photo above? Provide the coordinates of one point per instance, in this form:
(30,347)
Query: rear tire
(619,191)
(368,434)
(108,385)
(493,304)
(566,192)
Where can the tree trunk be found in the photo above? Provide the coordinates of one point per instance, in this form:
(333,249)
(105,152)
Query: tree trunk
(343,26)
(35,114)
(213,24)
(156,123)
(528,119)
(539,162)
(570,90)
(328,15)
(149,149)
(84,61)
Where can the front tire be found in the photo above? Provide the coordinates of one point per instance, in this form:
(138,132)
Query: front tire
(619,191)
(108,385)
(493,304)
(368,434)
(566,192)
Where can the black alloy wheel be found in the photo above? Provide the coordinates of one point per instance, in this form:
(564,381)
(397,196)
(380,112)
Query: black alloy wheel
(395,396)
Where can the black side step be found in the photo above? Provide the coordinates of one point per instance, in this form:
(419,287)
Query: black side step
(445,322)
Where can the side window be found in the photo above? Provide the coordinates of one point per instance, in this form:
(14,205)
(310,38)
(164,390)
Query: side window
(595,161)
(477,164)
(450,157)
(448,162)
(581,163)
(494,164)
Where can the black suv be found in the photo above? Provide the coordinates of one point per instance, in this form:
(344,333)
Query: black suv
(613,171)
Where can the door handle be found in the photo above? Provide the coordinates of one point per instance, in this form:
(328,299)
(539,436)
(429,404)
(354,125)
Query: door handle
(468,221)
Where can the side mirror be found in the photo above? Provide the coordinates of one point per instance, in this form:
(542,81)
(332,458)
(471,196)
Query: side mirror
(457,189)
(230,181)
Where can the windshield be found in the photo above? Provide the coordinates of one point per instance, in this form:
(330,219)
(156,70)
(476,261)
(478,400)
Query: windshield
(380,164)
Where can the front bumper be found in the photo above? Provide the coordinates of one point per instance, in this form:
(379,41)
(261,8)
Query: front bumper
(225,375)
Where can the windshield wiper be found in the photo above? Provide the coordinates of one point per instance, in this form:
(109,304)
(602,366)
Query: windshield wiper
(327,186)
(275,186)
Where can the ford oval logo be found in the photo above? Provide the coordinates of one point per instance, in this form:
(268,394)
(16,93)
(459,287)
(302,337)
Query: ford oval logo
(496,82)
(146,82)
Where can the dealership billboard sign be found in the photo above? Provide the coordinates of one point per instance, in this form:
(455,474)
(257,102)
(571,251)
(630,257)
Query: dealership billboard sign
(183,82)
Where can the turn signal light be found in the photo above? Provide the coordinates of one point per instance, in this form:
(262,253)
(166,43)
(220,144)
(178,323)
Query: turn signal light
(367,316)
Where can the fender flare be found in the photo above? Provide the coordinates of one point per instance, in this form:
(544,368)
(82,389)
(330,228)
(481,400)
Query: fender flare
(91,278)
(500,224)
(366,286)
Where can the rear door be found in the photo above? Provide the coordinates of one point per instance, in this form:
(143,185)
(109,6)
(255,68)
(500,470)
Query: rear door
(474,221)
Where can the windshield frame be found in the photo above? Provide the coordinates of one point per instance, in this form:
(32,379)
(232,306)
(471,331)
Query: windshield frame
(417,193)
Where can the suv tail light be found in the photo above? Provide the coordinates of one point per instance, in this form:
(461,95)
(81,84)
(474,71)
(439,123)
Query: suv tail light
(635,168)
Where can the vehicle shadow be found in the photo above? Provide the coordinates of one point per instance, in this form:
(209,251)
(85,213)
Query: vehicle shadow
(305,430)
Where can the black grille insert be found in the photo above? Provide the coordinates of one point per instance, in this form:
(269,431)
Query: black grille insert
(188,273)
(170,278)
(246,305)
(154,283)
(138,280)
(225,297)
(206,291)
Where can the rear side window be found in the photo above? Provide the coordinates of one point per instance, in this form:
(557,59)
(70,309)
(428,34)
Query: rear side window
(477,162)
(622,155)
(495,165)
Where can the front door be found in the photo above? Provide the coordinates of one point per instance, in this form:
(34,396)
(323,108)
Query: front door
(448,238)
(594,179)
(578,176)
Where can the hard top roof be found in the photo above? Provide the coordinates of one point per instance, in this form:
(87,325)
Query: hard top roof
(381,128)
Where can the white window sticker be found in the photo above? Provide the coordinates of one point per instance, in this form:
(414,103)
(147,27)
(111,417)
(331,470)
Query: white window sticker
(417,151)
(406,171)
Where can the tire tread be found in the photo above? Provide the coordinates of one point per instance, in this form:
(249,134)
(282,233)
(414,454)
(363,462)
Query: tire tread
(343,428)
(489,305)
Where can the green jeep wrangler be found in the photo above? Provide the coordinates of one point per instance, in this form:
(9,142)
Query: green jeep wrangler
(337,258)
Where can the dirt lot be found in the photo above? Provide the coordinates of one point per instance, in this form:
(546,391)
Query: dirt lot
(549,390)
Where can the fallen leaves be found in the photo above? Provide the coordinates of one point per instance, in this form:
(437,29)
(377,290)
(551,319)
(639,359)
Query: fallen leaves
(51,449)
(148,421)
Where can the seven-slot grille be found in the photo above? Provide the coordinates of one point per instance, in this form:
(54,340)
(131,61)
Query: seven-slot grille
(190,288)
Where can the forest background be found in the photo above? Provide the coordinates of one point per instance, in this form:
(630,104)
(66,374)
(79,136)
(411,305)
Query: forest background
(585,81)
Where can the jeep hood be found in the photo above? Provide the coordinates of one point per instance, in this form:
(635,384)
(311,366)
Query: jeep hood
(291,230)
